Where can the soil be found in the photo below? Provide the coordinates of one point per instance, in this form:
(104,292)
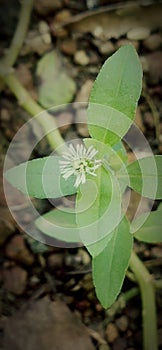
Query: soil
(47,297)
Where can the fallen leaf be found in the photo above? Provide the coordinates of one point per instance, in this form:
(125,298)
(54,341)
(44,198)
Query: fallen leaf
(55,85)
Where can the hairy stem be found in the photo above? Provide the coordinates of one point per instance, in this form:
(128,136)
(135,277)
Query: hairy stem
(146,285)
(43,117)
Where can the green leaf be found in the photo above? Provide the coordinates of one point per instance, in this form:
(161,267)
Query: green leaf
(150,231)
(98,205)
(114,96)
(40,178)
(60,224)
(145,176)
(55,85)
(110,266)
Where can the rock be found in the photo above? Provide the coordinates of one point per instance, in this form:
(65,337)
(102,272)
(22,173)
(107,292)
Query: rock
(81,122)
(153,42)
(55,260)
(104,347)
(15,279)
(154,64)
(111,332)
(84,92)
(17,250)
(120,344)
(68,46)
(106,48)
(36,42)
(98,32)
(45,325)
(139,33)
(122,323)
(81,58)
(122,42)
(64,121)
(44,7)
(43,29)
(157,251)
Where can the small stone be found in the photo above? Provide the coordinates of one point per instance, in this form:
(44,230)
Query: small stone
(81,122)
(153,42)
(81,58)
(15,280)
(17,250)
(5,115)
(122,42)
(120,344)
(140,33)
(55,260)
(43,7)
(64,121)
(111,332)
(122,323)
(84,92)
(43,27)
(157,252)
(104,347)
(98,33)
(107,48)
(62,16)
(68,46)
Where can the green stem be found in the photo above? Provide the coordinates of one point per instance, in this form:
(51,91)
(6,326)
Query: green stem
(43,117)
(20,32)
(146,285)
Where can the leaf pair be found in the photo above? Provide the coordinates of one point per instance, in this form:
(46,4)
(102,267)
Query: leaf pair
(97,220)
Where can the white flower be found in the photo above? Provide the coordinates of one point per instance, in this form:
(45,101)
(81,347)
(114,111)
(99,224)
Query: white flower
(79,162)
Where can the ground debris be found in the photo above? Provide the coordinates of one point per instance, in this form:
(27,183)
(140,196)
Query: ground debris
(46,325)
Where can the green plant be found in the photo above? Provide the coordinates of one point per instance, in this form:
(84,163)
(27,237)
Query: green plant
(98,173)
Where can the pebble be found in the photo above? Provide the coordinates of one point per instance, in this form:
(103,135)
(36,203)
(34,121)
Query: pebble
(122,42)
(81,122)
(157,252)
(68,46)
(55,260)
(81,58)
(43,7)
(153,42)
(17,250)
(106,48)
(140,33)
(15,280)
(111,332)
(122,323)
(84,92)
(120,344)
(64,121)
(98,33)
(104,347)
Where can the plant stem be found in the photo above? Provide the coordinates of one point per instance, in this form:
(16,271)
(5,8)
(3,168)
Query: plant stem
(18,38)
(43,117)
(20,32)
(146,285)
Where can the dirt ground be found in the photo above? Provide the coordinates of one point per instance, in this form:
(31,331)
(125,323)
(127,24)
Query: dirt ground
(47,298)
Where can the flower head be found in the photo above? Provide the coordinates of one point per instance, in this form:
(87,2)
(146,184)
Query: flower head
(79,161)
